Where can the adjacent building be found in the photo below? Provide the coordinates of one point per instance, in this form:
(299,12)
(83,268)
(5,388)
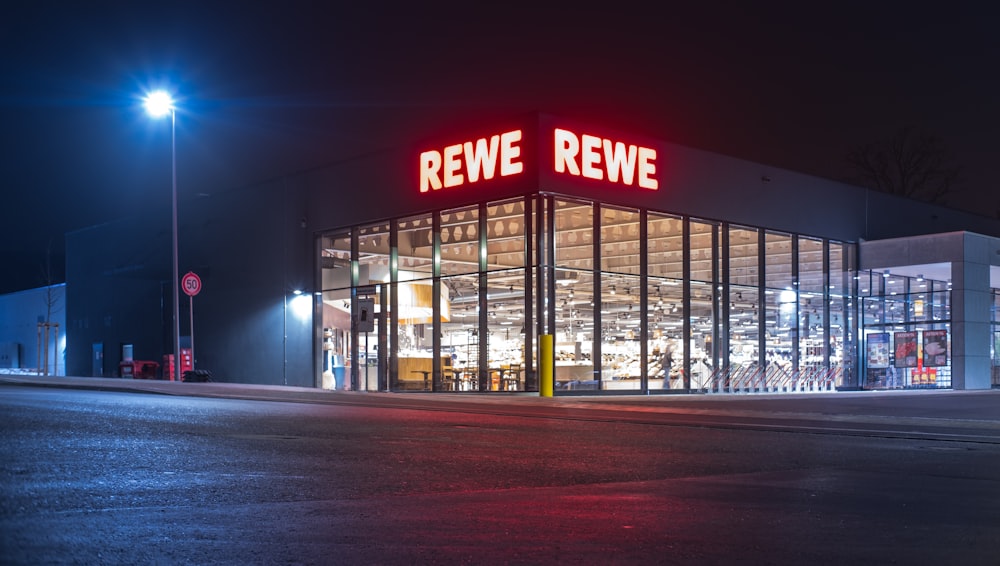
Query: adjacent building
(655,268)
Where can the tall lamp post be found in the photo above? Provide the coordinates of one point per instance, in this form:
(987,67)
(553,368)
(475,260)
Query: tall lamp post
(159,104)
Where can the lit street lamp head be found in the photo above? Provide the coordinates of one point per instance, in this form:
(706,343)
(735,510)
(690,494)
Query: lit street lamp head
(158,103)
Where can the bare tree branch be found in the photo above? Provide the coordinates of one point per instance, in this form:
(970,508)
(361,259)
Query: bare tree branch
(911,164)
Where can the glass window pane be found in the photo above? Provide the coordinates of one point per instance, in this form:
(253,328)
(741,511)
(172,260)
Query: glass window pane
(664,240)
(416,243)
(574,241)
(778,258)
(505,232)
(505,339)
(744,311)
(839,315)
(460,333)
(415,295)
(574,332)
(702,253)
(705,321)
(702,324)
(460,241)
(812,333)
(574,237)
(666,328)
(335,274)
(621,327)
(743,256)
(620,240)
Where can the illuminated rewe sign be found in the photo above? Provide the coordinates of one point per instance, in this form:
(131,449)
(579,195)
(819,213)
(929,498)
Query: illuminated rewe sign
(465,162)
(500,155)
(594,157)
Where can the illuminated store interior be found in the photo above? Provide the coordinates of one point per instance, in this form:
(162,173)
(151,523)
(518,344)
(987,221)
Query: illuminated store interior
(637,300)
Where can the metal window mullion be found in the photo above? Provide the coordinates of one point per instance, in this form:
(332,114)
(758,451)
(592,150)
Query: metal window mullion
(643,303)
(355,276)
(383,330)
(595,348)
(717,258)
(541,246)
(530,381)
(436,301)
(686,298)
(318,312)
(906,304)
(394,305)
(761,295)
(483,299)
(827,297)
(796,331)
(723,295)
(853,307)
(550,271)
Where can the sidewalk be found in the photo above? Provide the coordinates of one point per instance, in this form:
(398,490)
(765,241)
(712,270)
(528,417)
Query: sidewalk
(982,407)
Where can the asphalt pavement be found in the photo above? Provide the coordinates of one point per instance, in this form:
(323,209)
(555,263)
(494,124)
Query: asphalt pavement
(980,408)
(123,471)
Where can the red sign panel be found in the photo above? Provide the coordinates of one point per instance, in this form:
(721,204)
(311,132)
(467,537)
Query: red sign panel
(191,283)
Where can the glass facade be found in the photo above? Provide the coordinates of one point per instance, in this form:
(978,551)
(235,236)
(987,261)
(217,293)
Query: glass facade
(995,342)
(637,301)
(906,328)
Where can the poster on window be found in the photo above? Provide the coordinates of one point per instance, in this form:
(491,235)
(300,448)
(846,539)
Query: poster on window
(935,348)
(906,349)
(878,350)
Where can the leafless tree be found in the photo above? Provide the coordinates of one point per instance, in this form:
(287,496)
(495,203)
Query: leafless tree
(912,164)
(48,328)
(51,297)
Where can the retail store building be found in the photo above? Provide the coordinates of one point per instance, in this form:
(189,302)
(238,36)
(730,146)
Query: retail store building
(654,267)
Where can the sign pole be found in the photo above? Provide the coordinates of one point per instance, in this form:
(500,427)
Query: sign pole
(192,286)
(191,318)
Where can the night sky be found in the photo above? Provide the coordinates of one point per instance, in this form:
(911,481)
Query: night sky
(266,89)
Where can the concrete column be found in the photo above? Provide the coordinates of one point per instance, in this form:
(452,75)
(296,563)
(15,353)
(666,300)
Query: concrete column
(970,315)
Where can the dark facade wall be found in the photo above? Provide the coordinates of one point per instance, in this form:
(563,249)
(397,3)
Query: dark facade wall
(694,182)
(117,292)
(890,216)
(252,248)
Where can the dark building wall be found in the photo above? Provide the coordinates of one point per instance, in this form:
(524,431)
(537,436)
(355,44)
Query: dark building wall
(698,183)
(252,249)
(117,292)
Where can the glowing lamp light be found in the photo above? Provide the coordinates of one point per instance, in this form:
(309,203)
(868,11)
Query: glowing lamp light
(158,103)
(301,306)
(787,296)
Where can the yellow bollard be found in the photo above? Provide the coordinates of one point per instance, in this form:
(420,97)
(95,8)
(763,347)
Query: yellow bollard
(546,347)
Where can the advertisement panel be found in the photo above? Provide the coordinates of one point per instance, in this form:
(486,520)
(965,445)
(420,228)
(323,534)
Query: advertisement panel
(906,349)
(878,350)
(935,348)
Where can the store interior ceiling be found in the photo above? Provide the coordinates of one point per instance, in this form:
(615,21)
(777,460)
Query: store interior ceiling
(937,272)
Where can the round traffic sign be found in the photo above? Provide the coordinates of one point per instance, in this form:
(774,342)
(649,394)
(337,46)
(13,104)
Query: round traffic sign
(191,283)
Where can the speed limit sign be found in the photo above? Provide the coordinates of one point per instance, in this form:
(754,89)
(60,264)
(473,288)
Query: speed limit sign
(191,283)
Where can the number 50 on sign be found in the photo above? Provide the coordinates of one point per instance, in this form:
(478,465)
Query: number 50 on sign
(191,284)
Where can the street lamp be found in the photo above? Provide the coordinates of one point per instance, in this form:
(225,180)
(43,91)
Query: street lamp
(159,104)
